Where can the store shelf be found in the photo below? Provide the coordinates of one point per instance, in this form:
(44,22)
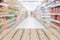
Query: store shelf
(55,21)
(7,15)
(8,26)
(15,24)
(50,23)
(46,5)
(55,5)
(50,6)
(48,14)
(10,16)
(54,14)
(6,21)
(3,4)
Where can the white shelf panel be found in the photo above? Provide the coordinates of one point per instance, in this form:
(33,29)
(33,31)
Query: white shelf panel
(56,5)
(50,23)
(55,21)
(6,26)
(49,14)
(3,4)
(51,4)
(5,15)
(45,16)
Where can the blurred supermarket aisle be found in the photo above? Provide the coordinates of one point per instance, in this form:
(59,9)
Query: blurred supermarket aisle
(30,22)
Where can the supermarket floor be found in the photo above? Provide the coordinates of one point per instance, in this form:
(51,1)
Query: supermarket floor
(30,22)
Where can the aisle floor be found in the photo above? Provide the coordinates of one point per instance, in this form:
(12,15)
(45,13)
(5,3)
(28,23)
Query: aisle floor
(30,34)
(30,22)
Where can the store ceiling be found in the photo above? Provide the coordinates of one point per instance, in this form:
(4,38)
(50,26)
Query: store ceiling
(30,5)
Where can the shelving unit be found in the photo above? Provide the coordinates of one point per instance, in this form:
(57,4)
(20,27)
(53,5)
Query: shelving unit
(55,21)
(10,13)
(49,9)
(6,11)
(55,8)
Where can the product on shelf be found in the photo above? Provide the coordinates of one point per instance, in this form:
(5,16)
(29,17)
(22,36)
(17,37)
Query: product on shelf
(3,7)
(16,19)
(2,19)
(58,18)
(11,3)
(53,17)
(8,7)
(1,1)
(5,24)
(9,18)
(12,8)
(55,10)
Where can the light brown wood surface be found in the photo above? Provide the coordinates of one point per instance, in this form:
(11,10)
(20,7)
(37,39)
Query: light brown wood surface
(30,34)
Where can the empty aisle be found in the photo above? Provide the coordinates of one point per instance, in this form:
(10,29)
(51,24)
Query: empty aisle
(30,22)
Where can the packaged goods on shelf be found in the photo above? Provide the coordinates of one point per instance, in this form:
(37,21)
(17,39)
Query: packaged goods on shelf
(55,10)
(8,7)
(7,23)
(4,24)
(3,9)
(1,1)
(53,17)
(53,6)
(12,8)
(2,19)
(11,3)
(58,18)
(9,18)
(16,19)
(52,10)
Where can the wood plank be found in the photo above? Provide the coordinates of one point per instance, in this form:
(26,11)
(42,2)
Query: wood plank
(4,33)
(57,34)
(10,35)
(42,35)
(50,35)
(26,35)
(54,29)
(34,35)
(18,35)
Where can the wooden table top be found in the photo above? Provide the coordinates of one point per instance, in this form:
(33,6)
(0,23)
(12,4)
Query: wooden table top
(29,34)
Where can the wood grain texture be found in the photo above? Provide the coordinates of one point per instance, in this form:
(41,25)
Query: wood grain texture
(26,35)
(34,35)
(30,34)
